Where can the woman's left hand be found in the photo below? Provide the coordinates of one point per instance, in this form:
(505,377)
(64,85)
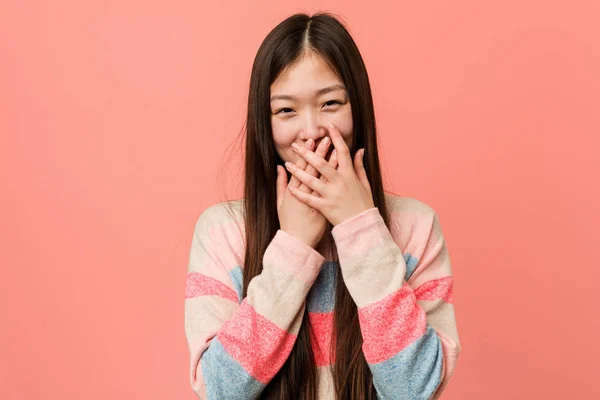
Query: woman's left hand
(347,191)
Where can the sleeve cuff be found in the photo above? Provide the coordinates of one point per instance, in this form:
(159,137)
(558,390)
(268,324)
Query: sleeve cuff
(299,258)
(357,224)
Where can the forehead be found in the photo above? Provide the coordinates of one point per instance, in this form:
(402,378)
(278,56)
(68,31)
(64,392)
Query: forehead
(308,74)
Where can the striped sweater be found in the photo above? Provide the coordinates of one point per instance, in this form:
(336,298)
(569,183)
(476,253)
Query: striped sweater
(400,279)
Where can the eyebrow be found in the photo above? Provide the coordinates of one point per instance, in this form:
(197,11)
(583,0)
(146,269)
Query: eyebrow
(318,92)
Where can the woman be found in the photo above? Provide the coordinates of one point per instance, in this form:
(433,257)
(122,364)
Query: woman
(317,284)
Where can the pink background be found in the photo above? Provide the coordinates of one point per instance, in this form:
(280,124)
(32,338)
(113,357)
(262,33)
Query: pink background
(115,118)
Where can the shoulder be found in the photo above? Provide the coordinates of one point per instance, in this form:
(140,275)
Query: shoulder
(412,222)
(225,212)
(220,227)
(407,206)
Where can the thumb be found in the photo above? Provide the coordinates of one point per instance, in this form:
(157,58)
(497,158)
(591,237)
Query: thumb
(359,167)
(281,184)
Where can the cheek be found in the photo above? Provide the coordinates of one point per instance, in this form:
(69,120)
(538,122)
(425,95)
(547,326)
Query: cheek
(283,134)
(344,124)
(283,137)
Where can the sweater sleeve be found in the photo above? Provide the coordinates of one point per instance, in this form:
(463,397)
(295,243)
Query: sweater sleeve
(236,345)
(406,315)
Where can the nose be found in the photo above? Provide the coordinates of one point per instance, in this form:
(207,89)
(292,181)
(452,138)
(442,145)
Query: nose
(315,129)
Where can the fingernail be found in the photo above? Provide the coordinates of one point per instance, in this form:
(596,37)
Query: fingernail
(309,143)
(331,124)
(325,141)
(294,146)
(288,165)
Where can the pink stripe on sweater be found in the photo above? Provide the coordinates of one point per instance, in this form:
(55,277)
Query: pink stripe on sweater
(200,285)
(322,329)
(391,324)
(257,344)
(436,289)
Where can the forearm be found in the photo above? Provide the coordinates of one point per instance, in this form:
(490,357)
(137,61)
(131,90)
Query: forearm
(253,344)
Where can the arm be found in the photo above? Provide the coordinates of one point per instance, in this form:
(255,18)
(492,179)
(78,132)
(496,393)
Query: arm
(237,346)
(410,340)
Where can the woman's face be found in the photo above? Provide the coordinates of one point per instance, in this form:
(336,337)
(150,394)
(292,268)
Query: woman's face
(304,99)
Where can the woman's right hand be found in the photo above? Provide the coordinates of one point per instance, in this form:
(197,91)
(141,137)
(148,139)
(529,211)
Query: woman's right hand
(296,218)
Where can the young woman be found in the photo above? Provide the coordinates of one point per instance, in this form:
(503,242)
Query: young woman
(317,284)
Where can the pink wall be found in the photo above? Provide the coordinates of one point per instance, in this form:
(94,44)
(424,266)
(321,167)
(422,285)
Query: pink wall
(114,119)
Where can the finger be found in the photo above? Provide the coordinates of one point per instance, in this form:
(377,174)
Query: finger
(343,152)
(322,150)
(308,199)
(316,161)
(306,178)
(359,167)
(295,182)
(333,162)
(281,184)
(310,144)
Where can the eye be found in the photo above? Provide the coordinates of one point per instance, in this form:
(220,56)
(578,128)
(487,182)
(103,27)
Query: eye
(333,102)
(280,111)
